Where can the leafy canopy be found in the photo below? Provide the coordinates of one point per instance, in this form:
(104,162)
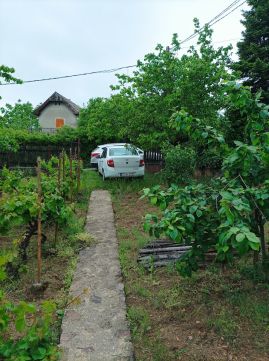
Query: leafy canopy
(19,116)
(162,83)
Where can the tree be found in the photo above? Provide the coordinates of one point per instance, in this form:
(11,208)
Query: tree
(253,50)
(162,83)
(6,75)
(227,213)
(19,116)
(104,119)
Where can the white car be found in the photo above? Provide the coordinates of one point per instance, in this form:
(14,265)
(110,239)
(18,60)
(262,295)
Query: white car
(121,161)
(96,153)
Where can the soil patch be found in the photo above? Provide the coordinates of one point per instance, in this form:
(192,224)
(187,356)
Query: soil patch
(215,315)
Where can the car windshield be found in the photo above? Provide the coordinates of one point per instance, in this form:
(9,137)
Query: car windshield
(122,151)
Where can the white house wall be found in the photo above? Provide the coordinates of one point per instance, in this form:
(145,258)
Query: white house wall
(47,118)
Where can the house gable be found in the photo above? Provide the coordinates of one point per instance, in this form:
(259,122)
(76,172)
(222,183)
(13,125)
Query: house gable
(57,111)
(49,115)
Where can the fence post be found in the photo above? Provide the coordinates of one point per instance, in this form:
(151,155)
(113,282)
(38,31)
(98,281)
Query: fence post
(39,227)
(71,175)
(59,189)
(63,163)
(59,171)
(78,167)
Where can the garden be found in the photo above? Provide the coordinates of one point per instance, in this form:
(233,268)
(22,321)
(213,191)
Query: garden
(42,231)
(209,117)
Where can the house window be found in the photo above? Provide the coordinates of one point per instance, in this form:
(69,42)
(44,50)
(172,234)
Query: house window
(59,122)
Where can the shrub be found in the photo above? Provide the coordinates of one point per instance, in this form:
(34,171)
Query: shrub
(179,163)
(209,158)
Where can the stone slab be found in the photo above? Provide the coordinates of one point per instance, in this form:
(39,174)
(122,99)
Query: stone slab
(96,329)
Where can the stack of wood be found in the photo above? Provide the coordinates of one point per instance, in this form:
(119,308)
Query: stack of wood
(161,252)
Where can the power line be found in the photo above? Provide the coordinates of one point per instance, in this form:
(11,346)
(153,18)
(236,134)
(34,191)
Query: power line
(213,21)
(113,70)
(229,12)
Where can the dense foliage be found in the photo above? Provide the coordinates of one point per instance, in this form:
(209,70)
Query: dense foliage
(162,83)
(18,203)
(228,213)
(180,163)
(26,329)
(12,139)
(104,119)
(32,325)
(253,50)
(19,116)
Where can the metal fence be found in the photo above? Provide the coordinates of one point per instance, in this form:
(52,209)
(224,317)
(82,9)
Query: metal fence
(153,157)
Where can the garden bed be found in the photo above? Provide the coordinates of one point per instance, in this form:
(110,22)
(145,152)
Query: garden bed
(58,260)
(218,314)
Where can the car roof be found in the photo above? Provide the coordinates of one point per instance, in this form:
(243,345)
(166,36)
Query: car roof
(117,144)
(122,145)
(109,144)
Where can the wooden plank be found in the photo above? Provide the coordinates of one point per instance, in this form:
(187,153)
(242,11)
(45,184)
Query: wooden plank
(157,257)
(161,243)
(165,249)
(161,263)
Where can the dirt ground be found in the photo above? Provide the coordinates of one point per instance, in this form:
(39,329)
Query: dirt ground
(217,315)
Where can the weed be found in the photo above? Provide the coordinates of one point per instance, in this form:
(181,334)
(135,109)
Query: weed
(170,298)
(82,240)
(160,351)
(69,273)
(257,311)
(124,257)
(64,250)
(224,324)
(139,321)
(141,291)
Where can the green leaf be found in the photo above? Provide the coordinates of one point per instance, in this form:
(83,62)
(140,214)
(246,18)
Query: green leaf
(174,234)
(252,237)
(20,324)
(193,209)
(255,246)
(153,200)
(199,213)
(191,217)
(240,237)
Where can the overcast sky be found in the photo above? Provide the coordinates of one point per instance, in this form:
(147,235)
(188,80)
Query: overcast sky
(43,38)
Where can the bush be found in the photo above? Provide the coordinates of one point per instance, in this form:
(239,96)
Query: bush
(179,164)
(209,158)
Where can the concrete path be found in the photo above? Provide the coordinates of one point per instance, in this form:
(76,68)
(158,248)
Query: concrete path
(97,329)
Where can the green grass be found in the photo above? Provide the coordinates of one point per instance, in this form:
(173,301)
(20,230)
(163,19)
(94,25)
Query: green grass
(224,324)
(119,186)
(139,321)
